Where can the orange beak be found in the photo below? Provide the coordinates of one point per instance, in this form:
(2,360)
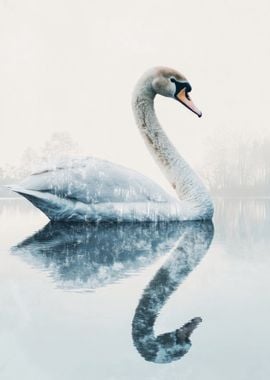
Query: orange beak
(184,99)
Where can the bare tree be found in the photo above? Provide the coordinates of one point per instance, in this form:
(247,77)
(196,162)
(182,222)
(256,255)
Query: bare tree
(239,169)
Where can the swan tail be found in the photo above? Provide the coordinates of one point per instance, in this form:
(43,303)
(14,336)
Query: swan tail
(47,203)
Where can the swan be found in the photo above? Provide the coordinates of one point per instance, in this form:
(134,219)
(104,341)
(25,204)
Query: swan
(90,256)
(91,189)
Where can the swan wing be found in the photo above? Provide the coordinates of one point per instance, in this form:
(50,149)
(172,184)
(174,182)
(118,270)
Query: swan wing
(92,181)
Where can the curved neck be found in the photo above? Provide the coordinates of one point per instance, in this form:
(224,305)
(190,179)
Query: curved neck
(183,179)
(193,243)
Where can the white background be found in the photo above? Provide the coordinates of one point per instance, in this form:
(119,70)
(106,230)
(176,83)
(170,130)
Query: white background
(71,66)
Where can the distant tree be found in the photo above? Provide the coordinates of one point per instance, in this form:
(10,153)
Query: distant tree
(30,159)
(241,168)
(59,146)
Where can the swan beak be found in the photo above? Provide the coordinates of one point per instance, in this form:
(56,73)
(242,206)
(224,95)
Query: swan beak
(184,99)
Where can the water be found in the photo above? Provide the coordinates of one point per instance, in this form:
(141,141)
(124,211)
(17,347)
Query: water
(109,302)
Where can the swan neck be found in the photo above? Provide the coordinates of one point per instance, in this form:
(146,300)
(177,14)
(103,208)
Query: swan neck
(183,179)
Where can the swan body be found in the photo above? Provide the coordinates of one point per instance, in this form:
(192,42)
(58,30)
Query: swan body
(94,190)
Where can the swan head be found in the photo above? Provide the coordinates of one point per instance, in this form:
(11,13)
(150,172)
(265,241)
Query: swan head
(170,83)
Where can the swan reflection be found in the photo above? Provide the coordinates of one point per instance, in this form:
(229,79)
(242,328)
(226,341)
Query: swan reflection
(81,256)
(87,256)
(194,242)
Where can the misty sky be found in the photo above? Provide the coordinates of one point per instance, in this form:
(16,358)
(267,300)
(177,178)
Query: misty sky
(71,66)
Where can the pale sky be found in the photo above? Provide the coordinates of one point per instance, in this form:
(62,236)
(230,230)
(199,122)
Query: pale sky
(71,66)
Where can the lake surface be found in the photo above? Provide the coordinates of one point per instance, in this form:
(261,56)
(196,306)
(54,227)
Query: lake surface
(118,302)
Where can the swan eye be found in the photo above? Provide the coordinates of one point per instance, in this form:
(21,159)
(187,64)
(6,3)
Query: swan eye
(173,80)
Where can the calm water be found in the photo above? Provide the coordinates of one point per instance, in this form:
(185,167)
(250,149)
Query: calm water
(113,302)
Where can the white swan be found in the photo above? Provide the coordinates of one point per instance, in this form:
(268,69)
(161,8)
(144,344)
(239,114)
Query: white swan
(91,189)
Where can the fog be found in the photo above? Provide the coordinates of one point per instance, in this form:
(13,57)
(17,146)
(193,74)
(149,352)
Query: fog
(71,66)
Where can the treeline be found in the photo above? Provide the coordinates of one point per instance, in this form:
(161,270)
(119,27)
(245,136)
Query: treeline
(58,146)
(231,168)
(239,169)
